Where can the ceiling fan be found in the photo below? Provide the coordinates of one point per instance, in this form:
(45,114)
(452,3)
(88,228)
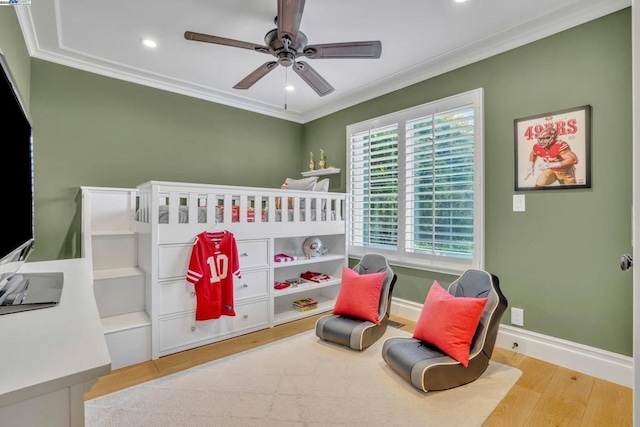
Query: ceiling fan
(287,43)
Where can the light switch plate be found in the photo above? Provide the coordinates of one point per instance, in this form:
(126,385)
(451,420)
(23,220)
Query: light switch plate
(518,202)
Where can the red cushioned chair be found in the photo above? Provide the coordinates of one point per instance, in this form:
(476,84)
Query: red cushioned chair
(358,334)
(428,368)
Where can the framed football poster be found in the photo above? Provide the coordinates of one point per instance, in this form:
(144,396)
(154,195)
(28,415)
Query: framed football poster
(553,150)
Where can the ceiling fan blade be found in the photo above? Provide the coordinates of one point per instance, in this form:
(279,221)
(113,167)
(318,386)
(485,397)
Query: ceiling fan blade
(288,19)
(312,78)
(368,49)
(256,75)
(190,35)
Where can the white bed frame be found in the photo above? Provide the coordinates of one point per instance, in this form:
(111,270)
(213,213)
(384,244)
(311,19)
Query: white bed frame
(298,222)
(163,251)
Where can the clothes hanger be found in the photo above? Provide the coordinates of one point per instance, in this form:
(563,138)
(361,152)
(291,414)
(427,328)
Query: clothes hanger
(214,233)
(215,226)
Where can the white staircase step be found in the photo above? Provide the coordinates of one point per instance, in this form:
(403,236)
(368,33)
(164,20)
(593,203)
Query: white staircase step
(114,250)
(125,322)
(119,291)
(128,338)
(114,273)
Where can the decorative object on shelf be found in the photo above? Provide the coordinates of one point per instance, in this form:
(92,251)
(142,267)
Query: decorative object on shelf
(313,247)
(284,258)
(321,162)
(312,164)
(313,276)
(281,285)
(296,281)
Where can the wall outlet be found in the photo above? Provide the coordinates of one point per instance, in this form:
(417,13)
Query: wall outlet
(517,316)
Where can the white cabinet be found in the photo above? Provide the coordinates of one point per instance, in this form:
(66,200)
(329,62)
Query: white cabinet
(177,333)
(253,284)
(174,319)
(253,253)
(258,304)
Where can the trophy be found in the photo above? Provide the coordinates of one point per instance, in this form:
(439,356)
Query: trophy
(321,162)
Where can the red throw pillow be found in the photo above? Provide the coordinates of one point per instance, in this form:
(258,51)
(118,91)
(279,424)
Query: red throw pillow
(359,295)
(449,322)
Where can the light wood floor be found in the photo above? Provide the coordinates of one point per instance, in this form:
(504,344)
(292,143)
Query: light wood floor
(545,394)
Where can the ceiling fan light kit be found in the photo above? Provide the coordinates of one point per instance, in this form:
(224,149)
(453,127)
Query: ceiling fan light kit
(287,43)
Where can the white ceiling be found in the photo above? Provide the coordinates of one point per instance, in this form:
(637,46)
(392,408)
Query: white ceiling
(420,39)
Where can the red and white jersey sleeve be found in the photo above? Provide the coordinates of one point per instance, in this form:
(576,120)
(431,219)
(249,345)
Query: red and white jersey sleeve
(214,260)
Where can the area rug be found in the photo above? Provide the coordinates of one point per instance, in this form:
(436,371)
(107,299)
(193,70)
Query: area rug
(299,381)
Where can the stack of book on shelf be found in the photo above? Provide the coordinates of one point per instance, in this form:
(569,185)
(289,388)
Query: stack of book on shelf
(305,304)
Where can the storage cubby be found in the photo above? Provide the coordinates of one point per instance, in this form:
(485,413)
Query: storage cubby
(324,292)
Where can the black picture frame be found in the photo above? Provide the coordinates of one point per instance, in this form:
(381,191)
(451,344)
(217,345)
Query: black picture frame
(573,132)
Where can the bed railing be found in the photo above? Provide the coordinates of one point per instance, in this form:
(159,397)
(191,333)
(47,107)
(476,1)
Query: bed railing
(181,203)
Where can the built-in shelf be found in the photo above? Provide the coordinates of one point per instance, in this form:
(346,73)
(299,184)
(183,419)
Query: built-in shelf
(306,286)
(318,172)
(312,260)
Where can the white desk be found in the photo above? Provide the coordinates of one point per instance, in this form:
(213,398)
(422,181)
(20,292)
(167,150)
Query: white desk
(50,357)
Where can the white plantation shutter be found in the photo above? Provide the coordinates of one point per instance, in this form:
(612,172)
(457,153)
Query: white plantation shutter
(414,179)
(439,184)
(374,188)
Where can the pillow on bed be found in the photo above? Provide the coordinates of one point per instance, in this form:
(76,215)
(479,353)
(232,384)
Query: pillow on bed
(322,186)
(304,184)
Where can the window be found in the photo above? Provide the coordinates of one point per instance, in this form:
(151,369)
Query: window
(415,182)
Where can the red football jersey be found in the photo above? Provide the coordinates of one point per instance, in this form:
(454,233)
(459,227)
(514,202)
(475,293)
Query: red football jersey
(214,261)
(552,153)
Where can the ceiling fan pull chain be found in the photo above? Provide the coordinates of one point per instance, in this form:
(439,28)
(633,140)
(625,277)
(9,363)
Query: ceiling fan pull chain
(286,85)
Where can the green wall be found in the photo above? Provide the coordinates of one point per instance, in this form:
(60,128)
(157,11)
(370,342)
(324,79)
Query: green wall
(15,51)
(559,260)
(97,131)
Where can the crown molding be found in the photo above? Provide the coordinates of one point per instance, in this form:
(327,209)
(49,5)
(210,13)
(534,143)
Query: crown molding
(542,26)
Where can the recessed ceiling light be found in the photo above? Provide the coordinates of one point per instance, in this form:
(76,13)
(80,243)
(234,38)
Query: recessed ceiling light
(289,88)
(149,43)
(460,1)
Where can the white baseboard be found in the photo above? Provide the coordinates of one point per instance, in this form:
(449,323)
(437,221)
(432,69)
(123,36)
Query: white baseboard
(591,361)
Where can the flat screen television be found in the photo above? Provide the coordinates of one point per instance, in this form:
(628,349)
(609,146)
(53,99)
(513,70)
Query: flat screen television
(16,145)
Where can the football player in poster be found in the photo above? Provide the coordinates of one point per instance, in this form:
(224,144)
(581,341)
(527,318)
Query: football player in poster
(557,160)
